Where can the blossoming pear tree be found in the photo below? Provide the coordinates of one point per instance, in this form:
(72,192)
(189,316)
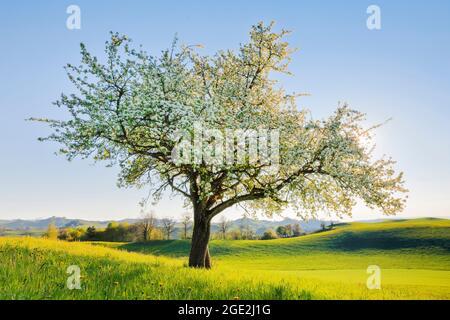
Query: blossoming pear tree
(129,110)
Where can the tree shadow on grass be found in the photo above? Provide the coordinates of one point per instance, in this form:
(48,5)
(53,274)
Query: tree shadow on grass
(172,248)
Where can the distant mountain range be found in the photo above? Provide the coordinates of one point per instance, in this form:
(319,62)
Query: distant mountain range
(258,226)
(60,222)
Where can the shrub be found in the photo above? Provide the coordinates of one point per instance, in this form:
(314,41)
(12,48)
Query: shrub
(71,234)
(52,232)
(269,235)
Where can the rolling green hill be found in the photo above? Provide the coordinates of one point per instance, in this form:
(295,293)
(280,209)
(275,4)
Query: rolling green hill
(427,234)
(413,255)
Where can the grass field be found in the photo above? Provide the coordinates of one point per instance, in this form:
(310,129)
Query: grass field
(414,257)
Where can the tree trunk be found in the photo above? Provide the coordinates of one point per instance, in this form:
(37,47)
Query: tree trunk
(145,235)
(199,256)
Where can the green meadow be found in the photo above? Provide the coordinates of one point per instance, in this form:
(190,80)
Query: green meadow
(413,256)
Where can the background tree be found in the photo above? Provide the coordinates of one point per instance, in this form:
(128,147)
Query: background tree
(134,233)
(91,233)
(281,231)
(223,227)
(246,231)
(235,235)
(168,226)
(297,230)
(157,234)
(130,110)
(71,234)
(147,224)
(269,235)
(52,232)
(241,231)
(288,228)
(249,233)
(186,221)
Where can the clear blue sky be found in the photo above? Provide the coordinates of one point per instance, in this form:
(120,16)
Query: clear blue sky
(401,71)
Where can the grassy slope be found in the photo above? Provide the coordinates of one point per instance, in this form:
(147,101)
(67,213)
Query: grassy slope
(414,257)
(396,244)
